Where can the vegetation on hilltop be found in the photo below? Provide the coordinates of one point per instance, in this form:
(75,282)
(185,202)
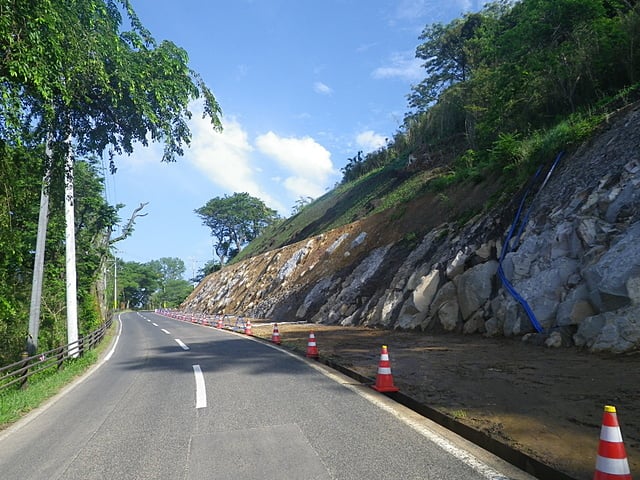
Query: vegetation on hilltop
(505,90)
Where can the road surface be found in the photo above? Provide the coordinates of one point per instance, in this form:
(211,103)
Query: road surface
(175,400)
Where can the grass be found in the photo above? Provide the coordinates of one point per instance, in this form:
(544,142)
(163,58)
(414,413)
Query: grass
(511,160)
(15,403)
(458,414)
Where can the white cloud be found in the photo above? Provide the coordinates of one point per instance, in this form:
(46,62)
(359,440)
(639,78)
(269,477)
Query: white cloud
(370,141)
(307,164)
(322,89)
(142,157)
(303,187)
(411,9)
(401,65)
(225,158)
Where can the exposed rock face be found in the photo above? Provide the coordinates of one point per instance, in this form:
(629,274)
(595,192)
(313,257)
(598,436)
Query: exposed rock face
(576,264)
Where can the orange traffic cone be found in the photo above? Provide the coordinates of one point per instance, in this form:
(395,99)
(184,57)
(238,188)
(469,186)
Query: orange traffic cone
(611,462)
(220,324)
(384,379)
(247,328)
(275,336)
(312,348)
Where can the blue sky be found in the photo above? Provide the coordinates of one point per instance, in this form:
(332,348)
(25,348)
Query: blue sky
(303,85)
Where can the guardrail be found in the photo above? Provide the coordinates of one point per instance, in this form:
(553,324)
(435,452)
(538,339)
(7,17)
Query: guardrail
(19,372)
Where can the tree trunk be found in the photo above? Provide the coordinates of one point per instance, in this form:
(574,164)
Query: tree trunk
(70,253)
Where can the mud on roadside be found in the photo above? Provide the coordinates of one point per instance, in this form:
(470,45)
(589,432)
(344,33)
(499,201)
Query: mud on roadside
(545,403)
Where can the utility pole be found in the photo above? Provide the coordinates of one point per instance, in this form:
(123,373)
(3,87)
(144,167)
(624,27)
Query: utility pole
(115,283)
(194,262)
(38,264)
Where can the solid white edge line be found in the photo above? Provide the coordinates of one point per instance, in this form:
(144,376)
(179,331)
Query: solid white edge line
(181,343)
(465,457)
(382,402)
(115,343)
(49,403)
(201,391)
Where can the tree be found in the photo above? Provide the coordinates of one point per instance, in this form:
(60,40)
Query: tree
(175,292)
(234,221)
(137,282)
(208,268)
(169,268)
(300,204)
(446,58)
(157,283)
(19,189)
(71,75)
(172,288)
(20,183)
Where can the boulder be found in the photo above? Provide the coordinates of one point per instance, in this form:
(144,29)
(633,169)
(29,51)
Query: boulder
(425,291)
(607,279)
(445,307)
(475,324)
(474,287)
(619,332)
(575,307)
(456,265)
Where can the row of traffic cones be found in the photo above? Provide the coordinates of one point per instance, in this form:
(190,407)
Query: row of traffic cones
(611,462)
(246,329)
(384,378)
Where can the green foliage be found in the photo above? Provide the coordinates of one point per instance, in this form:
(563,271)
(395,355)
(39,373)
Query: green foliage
(78,70)
(235,221)
(137,282)
(505,90)
(512,84)
(153,284)
(14,403)
(85,73)
(208,268)
(507,149)
(300,204)
(172,288)
(175,292)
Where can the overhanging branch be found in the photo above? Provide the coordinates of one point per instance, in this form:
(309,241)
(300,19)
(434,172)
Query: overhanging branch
(128,228)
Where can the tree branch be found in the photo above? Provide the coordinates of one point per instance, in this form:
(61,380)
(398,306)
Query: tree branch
(128,228)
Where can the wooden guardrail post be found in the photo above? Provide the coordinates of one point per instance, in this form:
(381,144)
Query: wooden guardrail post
(25,373)
(60,358)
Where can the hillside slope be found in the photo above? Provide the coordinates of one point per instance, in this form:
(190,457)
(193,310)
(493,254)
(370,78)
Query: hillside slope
(417,266)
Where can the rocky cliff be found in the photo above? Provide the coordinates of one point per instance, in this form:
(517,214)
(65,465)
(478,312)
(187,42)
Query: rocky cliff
(569,274)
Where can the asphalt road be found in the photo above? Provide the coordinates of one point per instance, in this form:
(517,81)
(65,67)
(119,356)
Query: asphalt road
(182,401)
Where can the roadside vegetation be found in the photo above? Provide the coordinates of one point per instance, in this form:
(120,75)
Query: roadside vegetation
(79,83)
(16,402)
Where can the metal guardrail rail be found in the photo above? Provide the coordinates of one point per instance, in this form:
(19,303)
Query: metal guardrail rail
(19,372)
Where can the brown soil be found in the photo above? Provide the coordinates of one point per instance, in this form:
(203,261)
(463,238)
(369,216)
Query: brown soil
(543,402)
